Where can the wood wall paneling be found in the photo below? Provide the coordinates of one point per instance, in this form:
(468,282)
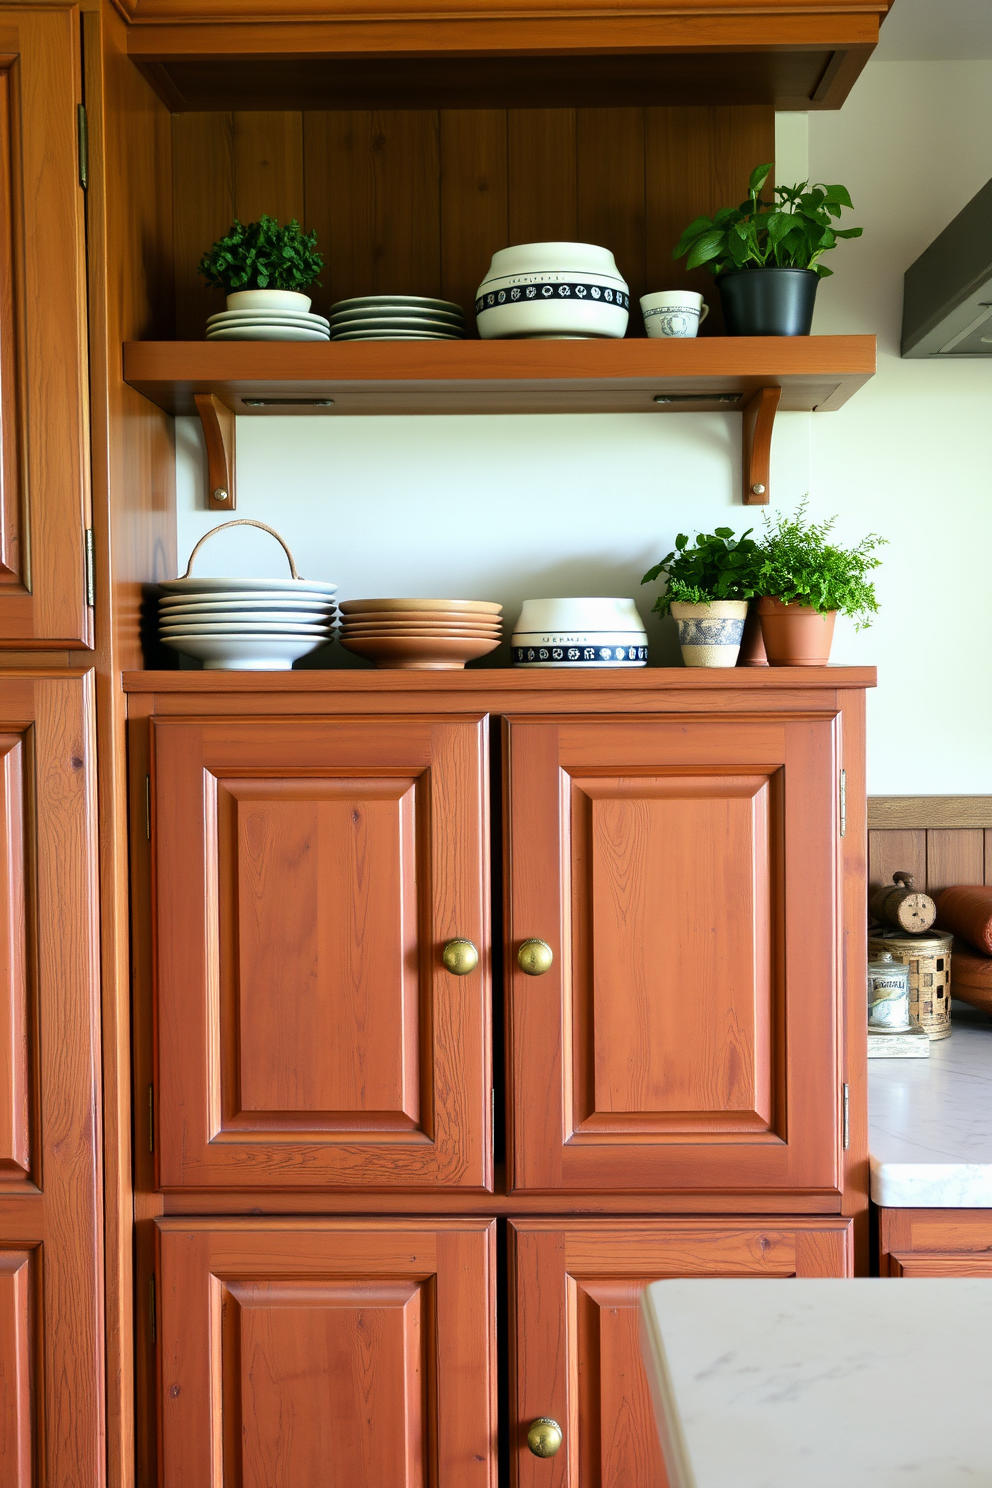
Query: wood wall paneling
(955,857)
(474,200)
(203,208)
(936,856)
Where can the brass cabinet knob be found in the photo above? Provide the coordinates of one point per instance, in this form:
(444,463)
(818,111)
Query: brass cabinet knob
(535,958)
(460,957)
(544,1437)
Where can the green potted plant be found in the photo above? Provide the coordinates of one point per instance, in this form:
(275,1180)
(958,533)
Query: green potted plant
(263,266)
(709,585)
(765,255)
(803,581)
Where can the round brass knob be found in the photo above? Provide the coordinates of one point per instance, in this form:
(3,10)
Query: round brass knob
(544,1437)
(460,957)
(535,957)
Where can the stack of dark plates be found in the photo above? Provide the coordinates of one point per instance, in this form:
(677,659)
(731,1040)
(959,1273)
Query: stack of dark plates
(397,318)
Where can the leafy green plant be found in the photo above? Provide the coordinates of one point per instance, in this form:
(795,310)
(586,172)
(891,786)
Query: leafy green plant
(718,566)
(263,255)
(788,233)
(798,563)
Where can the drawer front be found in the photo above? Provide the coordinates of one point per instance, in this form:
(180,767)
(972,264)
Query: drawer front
(307,877)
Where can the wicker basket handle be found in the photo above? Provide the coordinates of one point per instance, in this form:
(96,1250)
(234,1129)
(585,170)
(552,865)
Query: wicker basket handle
(242,522)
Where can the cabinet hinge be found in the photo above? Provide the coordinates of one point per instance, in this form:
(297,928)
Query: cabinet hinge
(90,568)
(83,144)
(148,807)
(152,1310)
(151,1118)
(847,1117)
(843,802)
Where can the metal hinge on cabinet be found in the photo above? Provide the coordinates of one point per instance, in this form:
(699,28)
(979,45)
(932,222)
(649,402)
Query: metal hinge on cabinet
(152,1310)
(843,802)
(83,143)
(847,1117)
(151,1118)
(90,568)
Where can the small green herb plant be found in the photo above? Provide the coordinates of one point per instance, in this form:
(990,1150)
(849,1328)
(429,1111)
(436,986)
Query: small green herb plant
(798,564)
(263,255)
(717,566)
(788,233)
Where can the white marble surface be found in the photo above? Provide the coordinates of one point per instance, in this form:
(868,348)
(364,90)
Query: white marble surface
(822,1384)
(930,1122)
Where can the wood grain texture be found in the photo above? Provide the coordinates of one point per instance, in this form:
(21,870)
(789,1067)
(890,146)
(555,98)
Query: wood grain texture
(935,1242)
(955,857)
(203,209)
(267,150)
(687,1118)
(890,813)
(542,175)
(18,1041)
(19,1301)
(334,864)
(575,1294)
(473,199)
(43,400)
(345,1351)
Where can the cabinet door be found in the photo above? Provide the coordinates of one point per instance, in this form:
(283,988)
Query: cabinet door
(44,491)
(341,1354)
(684,873)
(51,1354)
(308,875)
(576,1352)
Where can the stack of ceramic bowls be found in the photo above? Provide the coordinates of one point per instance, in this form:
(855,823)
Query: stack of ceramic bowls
(267,315)
(579,633)
(552,292)
(420,634)
(258,625)
(397,318)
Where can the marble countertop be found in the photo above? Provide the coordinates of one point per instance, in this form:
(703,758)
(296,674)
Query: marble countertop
(821,1383)
(930,1122)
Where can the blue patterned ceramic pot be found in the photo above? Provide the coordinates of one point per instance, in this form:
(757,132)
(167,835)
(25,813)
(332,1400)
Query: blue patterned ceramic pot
(710,634)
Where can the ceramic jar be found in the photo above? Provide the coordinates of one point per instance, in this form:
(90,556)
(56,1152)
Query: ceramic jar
(552,292)
(710,634)
(888,994)
(795,634)
(580,633)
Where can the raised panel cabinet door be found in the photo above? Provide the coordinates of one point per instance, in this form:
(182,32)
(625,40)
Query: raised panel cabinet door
(308,875)
(684,874)
(575,1293)
(334,1354)
(44,454)
(51,1348)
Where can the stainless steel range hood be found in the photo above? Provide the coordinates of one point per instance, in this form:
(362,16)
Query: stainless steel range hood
(947,306)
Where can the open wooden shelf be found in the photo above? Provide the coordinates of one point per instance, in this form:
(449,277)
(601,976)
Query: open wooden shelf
(815,373)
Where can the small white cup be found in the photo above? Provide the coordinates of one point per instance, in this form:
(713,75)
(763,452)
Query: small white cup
(673,312)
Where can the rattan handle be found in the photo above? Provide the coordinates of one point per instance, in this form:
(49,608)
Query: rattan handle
(242,522)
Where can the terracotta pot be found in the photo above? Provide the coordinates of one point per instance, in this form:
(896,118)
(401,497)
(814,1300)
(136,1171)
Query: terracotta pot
(752,645)
(710,634)
(795,634)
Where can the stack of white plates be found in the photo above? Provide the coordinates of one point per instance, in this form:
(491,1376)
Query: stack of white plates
(397,318)
(238,624)
(267,325)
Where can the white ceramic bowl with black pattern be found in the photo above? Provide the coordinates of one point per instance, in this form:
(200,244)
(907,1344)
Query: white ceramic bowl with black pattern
(552,292)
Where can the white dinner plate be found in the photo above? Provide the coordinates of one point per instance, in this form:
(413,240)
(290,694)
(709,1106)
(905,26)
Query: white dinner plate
(246,653)
(267,333)
(235,588)
(395,336)
(245,628)
(396,323)
(295,317)
(387,301)
(398,312)
(238,616)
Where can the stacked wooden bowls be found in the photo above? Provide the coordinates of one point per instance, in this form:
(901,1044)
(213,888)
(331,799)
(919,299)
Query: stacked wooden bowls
(420,634)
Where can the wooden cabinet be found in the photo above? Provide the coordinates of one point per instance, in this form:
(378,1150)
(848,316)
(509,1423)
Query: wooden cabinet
(935,1242)
(308,875)
(576,1348)
(51,1355)
(349,1354)
(684,873)
(44,481)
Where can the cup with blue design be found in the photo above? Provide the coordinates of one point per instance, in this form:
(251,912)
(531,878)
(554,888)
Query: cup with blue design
(673,313)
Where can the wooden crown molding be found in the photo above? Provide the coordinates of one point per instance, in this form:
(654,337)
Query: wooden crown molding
(915,813)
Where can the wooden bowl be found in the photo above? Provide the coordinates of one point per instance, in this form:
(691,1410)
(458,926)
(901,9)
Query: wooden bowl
(382,606)
(421,653)
(432,619)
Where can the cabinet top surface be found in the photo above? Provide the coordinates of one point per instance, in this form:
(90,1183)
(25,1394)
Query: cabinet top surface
(930,1122)
(651,681)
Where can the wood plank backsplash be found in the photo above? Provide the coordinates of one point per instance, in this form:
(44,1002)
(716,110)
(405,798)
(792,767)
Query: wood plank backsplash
(416,201)
(941,840)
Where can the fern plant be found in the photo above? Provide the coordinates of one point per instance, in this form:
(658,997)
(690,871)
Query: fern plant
(797,563)
(263,255)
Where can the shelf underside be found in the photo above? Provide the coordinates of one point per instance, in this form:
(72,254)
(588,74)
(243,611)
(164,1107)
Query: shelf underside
(815,373)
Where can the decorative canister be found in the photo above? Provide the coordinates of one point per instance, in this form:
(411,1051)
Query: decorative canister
(710,634)
(552,292)
(928,958)
(888,994)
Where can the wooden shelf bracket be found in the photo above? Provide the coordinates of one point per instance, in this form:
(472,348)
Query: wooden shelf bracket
(219,432)
(759,421)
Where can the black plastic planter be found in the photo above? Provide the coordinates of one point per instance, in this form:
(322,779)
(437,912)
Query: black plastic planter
(768,302)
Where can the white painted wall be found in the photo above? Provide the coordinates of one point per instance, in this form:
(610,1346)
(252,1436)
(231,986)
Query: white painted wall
(509,508)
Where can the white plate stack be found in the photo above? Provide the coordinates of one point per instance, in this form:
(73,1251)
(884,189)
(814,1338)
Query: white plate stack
(267,325)
(397,318)
(257,625)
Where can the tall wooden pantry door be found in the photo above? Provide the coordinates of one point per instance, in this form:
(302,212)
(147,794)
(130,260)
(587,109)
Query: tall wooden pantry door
(44,461)
(51,1353)
(682,874)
